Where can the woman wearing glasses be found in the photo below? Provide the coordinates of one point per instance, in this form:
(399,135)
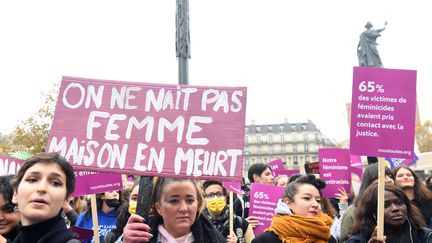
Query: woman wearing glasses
(9,217)
(218,212)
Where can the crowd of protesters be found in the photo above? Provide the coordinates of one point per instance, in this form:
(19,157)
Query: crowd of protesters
(35,206)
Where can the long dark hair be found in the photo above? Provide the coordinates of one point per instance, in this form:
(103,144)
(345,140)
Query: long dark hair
(421,193)
(370,175)
(365,218)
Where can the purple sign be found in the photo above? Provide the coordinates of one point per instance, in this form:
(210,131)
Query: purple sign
(89,182)
(233,186)
(81,234)
(335,170)
(275,165)
(394,162)
(263,200)
(289,173)
(383,112)
(357,165)
(9,165)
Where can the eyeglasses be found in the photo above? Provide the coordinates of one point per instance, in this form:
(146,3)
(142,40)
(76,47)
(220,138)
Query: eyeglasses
(8,208)
(212,195)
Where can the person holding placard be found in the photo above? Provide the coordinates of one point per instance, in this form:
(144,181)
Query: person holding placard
(42,185)
(175,216)
(301,218)
(415,190)
(9,217)
(257,173)
(107,205)
(402,221)
(370,175)
(218,212)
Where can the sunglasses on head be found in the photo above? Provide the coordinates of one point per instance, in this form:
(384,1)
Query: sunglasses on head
(8,208)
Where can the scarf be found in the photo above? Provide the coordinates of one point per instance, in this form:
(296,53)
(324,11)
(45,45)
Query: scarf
(165,236)
(297,229)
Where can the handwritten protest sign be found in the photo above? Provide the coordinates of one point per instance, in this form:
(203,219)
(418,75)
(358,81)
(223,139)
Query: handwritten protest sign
(263,201)
(9,165)
(89,182)
(335,170)
(150,129)
(383,112)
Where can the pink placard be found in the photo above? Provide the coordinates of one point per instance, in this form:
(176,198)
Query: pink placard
(276,164)
(289,173)
(9,165)
(89,182)
(233,186)
(150,129)
(357,165)
(81,234)
(263,201)
(335,170)
(383,112)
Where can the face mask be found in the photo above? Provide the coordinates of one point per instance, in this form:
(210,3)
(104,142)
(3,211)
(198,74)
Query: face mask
(216,205)
(132,207)
(112,203)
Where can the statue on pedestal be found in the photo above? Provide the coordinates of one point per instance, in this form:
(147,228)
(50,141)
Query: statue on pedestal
(367,51)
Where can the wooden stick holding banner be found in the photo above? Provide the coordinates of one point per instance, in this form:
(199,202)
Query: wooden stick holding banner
(380,206)
(231,214)
(94,218)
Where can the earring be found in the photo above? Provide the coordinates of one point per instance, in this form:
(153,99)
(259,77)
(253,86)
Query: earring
(16,209)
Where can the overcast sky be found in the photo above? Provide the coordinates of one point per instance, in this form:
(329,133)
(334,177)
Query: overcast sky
(295,57)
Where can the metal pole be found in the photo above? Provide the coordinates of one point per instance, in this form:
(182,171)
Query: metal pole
(183,40)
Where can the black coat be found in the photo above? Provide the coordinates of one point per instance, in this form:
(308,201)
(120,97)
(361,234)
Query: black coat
(50,231)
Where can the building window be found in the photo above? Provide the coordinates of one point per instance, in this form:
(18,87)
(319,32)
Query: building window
(294,149)
(281,128)
(271,150)
(306,147)
(270,138)
(304,127)
(258,129)
(282,137)
(258,139)
(305,136)
(269,128)
(246,139)
(307,159)
(246,130)
(283,149)
(259,150)
(294,137)
(295,160)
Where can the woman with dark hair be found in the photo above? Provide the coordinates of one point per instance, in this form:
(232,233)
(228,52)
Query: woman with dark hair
(175,216)
(428,182)
(300,218)
(402,221)
(107,205)
(9,217)
(370,175)
(415,190)
(42,185)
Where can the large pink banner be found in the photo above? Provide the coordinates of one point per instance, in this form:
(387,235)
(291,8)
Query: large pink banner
(150,129)
(9,165)
(383,112)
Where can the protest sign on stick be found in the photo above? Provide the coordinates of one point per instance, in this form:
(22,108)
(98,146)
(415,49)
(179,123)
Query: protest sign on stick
(383,119)
(9,165)
(150,129)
